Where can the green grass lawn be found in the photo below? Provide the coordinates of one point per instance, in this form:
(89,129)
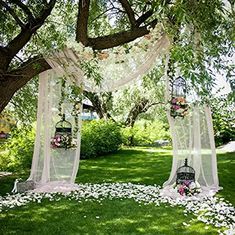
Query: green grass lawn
(139,165)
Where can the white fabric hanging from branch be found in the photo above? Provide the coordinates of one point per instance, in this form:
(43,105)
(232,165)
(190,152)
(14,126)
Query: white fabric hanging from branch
(50,163)
(56,168)
(193,139)
(114,70)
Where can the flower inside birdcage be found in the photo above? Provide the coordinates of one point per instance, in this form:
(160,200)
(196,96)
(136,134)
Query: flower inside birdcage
(185,181)
(179,107)
(61,141)
(63,134)
(188,188)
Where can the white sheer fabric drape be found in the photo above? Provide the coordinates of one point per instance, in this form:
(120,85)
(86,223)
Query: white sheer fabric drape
(193,138)
(57,168)
(53,164)
(115,73)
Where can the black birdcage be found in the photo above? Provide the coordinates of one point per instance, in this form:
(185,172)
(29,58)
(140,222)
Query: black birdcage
(185,173)
(63,134)
(179,106)
(178,88)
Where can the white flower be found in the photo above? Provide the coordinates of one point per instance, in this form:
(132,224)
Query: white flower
(197,184)
(180,110)
(210,210)
(192,185)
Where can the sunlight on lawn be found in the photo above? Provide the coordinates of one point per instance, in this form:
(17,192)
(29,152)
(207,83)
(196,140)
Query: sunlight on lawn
(147,166)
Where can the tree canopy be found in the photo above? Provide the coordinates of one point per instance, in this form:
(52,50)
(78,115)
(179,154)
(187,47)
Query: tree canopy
(202,33)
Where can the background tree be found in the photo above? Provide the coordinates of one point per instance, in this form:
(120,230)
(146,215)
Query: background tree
(223,115)
(204,32)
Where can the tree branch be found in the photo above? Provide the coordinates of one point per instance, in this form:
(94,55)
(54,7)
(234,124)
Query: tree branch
(13,14)
(26,33)
(99,106)
(25,9)
(144,17)
(140,107)
(16,79)
(130,13)
(30,68)
(102,14)
(117,39)
(82,22)
(152,104)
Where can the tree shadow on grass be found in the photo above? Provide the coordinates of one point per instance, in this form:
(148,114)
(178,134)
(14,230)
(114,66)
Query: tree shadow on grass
(128,165)
(226,171)
(7,183)
(93,217)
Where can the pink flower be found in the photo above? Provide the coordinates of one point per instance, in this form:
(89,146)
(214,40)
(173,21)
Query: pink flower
(175,107)
(56,141)
(187,182)
(181,190)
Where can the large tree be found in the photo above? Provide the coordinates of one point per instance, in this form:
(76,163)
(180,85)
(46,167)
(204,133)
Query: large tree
(30,27)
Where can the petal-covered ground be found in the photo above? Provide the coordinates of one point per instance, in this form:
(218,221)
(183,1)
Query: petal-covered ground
(210,210)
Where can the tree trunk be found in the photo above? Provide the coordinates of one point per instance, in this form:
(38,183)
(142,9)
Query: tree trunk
(99,106)
(139,108)
(12,81)
(7,89)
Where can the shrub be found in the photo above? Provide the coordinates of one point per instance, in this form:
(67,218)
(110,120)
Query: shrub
(145,133)
(17,152)
(99,137)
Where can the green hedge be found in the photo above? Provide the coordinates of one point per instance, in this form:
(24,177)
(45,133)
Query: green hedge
(100,137)
(16,154)
(145,133)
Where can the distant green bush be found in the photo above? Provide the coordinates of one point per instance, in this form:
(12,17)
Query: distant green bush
(16,154)
(145,133)
(100,137)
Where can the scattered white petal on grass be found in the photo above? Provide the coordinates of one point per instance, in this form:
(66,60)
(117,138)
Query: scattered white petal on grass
(208,209)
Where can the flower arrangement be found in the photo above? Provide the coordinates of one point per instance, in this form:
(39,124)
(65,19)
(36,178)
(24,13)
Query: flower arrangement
(188,188)
(179,107)
(61,141)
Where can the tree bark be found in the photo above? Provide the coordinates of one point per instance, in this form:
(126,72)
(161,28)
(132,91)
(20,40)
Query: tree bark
(140,107)
(99,106)
(12,80)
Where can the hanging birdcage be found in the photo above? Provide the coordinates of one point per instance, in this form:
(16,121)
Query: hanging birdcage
(63,134)
(179,88)
(179,106)
(185,173)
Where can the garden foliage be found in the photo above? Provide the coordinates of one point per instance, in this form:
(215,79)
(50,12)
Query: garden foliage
(145,133)
(99,138)
(16,154)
